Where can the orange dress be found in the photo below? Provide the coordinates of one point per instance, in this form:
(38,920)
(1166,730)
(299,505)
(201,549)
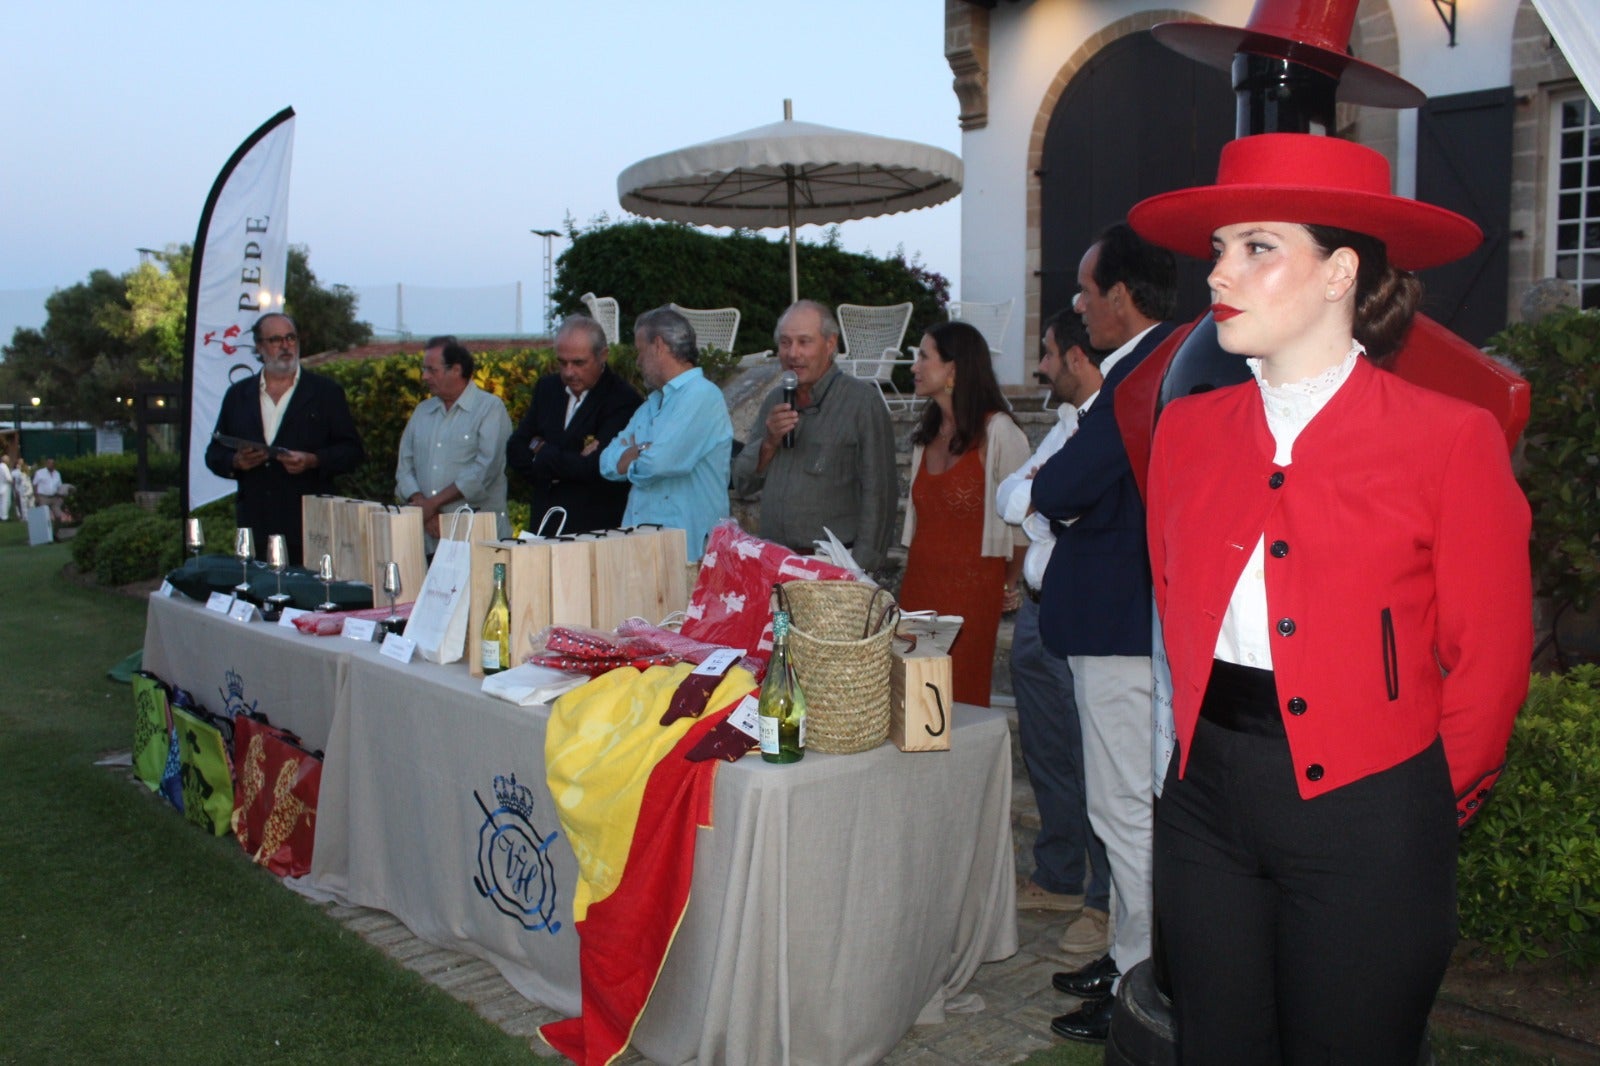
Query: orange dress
(946,569)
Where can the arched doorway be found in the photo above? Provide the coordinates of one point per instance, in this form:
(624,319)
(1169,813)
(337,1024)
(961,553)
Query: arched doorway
(1135,120)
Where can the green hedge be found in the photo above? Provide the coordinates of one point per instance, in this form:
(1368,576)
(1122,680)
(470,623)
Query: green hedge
(647,264)
(102,481)
(1529,881)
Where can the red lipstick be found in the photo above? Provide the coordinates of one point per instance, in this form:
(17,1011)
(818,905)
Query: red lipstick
(1222,312)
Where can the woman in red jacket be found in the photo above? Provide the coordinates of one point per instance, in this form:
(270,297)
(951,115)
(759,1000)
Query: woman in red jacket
(1341,569)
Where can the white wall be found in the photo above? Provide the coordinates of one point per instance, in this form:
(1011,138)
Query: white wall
(1030,42)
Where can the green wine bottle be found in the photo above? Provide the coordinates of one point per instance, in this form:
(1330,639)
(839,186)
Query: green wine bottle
(495,648)
(782,710)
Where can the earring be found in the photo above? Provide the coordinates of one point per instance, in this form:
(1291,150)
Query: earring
(950,386)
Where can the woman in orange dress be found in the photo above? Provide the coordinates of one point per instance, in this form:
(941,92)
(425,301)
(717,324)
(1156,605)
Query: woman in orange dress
(962,558)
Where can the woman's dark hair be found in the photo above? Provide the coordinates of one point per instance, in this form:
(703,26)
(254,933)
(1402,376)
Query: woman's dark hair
(977,394)
(1386,297)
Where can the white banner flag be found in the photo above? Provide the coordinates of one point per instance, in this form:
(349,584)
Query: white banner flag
(241,255)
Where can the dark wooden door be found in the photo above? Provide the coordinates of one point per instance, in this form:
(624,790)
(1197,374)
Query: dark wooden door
(1464,163)
(1137,120)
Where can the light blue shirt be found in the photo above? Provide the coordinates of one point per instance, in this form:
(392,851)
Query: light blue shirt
(680,477)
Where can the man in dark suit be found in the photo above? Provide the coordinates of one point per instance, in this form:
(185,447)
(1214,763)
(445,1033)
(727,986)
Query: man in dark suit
(575,413)
(1095,607)
(299,435)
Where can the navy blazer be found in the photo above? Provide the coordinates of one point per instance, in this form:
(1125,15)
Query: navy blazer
(1096,595)
(560,474)
(317,420)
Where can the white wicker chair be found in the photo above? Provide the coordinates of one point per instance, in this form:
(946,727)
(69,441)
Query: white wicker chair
(990,319)
(872,337)
(604,310)
(714,328)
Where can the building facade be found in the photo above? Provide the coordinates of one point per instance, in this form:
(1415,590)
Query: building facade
(1071,113)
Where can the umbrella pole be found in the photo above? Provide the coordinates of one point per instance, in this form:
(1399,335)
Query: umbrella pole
(794,262)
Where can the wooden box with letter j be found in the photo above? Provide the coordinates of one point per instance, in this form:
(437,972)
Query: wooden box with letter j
(919,695)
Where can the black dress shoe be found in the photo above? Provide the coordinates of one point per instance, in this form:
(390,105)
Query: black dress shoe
(1090,982)
(1090,1023)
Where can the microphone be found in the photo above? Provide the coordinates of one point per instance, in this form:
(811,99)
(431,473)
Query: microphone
(791,384)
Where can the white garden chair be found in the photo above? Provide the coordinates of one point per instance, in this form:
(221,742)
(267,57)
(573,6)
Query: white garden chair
(872,337)
(604,310)
(714,328)
(990,319)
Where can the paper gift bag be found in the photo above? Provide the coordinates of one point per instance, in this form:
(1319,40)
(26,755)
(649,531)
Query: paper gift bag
(468,525)
(205,767)
(316,527)
(527,591)
(919,696)
(438,620)
(352,546)
(275,797)
(395,535)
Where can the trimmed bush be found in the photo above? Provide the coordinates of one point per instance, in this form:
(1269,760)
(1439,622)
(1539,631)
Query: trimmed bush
(97,527)
(138,548)
(102,481)
(1529,880)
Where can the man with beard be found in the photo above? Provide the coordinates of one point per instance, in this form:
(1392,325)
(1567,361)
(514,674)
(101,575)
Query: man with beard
(295,432)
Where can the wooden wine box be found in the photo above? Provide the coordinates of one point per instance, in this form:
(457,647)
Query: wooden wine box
(638,573)
(571,581)
(528,589)
(919,697)
(352,543)
(394,534)
(317,529)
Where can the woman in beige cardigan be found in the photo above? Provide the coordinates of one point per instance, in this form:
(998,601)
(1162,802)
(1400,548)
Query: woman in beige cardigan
(962,558)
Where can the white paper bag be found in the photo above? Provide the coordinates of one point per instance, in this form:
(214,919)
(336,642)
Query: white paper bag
(438,620)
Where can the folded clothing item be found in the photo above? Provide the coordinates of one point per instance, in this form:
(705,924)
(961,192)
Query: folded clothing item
(331,623)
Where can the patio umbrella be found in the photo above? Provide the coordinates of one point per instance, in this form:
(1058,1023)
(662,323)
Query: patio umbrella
(787,174)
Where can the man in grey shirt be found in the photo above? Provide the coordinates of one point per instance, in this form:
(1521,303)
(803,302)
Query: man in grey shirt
(453,451)
(840,471)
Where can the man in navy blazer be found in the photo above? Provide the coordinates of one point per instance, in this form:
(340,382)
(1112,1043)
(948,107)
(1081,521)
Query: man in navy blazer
(1095,607)
(575,413)
(305,422)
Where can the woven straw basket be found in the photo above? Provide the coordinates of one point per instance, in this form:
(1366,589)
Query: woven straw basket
(839,633)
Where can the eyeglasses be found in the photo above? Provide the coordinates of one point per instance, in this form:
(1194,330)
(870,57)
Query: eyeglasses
(280,339)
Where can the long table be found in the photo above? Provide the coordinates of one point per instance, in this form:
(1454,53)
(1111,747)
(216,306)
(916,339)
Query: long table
(835,903)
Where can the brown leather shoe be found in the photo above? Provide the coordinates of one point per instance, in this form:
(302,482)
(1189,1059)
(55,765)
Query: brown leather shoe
(1088,934)
(1031,897)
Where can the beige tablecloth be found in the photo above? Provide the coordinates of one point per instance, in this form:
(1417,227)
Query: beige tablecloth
(837,902)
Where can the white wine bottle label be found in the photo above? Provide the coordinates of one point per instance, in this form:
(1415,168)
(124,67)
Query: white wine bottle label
(769,736)
(801,738)
(489,657)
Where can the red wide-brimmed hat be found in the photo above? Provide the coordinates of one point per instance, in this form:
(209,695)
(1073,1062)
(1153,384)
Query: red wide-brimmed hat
(1305,178)
(1314,33)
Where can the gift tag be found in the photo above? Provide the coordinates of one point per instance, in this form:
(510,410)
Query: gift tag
(289,615)
(220,602)
(398,648)
(166,589)
(360,629)
(745,717)
(718,662)
(243,611)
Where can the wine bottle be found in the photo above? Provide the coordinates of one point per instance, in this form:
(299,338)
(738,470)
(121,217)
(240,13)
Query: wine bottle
(495,647)
(782,710)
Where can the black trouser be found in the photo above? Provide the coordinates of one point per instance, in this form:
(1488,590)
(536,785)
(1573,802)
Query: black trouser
(1300,931)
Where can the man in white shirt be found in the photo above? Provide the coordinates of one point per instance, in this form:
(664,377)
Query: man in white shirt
(48,491)
(1066,853)
(5,489)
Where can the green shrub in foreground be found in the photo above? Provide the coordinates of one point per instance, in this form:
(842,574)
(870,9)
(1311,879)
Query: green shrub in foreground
(137,549)
(102,481)
(97,527)
(1529,880)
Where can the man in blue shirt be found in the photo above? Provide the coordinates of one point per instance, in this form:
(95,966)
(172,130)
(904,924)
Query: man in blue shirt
(676,450)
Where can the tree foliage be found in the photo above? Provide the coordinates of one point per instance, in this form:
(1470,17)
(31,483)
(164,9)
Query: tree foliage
(647,264)
(104,336)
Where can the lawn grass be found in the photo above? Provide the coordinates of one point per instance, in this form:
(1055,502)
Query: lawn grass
(129,936)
